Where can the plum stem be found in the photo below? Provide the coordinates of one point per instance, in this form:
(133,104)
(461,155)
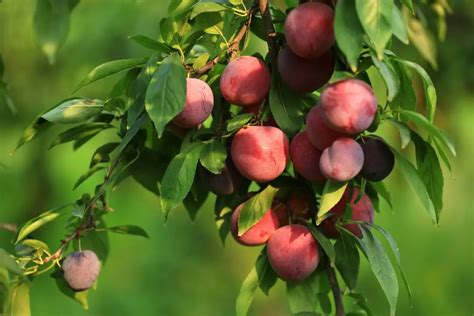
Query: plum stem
(335,291)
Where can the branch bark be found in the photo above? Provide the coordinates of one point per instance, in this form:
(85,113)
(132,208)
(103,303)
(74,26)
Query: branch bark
(9,227)
(270,31)
(336,291)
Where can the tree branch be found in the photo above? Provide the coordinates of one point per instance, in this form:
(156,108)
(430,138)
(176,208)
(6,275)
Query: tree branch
(335,291)
(9,227)
(270,31)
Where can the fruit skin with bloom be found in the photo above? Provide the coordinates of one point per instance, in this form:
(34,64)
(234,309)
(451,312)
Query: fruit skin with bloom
(259,233)
(260,153)
(198,106)
(362,211)
(319,134)
(348,106)
(309,29)
(305,158)
(81,269)
(305,75)
(293,252)
(245,81)
(224,183)
(342,161)
(379,160)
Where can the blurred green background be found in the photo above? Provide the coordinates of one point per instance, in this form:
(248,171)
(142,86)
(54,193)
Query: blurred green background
(183,269)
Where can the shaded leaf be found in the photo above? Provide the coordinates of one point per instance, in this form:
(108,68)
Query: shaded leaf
(238,121)
(150,43)
(389,75)
(74,111)
(87,175)
(302,296)
(347,259)
(9,263)
(80,132)
(129,230)
(80,297)
(213,156)
(325,243)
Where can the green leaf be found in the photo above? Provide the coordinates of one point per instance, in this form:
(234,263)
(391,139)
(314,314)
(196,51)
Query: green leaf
(137,91)
(84,131)
(347,259)
(87,175)
(196,197)
(332,194)
(421,37)
(389,76)
(213,156)
(376,19)
(238,121)
(74,111)
(102,154)
(381,266)
(406,97)
(398,26)
(35,244)
(35,129)
(129,230)
(409,4)
(396,251)
(253,280)
(166,93)
(19,300)
(349,32)
(404,131)
(206,7)
(430,171)
(432,130)
(147,42)
(286,106)
(178,7)
(38,221)
(325,243)
(96,240)
(382,191)
(178,178)
(417,184)
(430,91)
(110,68)
(4,288)
(8,262)
(51,24)
(302,296)
(254,208)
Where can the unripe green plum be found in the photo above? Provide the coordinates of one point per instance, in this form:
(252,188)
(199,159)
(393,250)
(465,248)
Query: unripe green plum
(309,29)
(260,153)
(305,75)
(348,106)
(81,269)
(198,105)
(378,158)
(342,161)
(305,158)
(245,81)
(259,233)
(319,134)
(293,252)
(362,211)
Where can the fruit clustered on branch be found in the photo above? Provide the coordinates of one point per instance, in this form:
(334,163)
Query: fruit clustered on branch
(284,142)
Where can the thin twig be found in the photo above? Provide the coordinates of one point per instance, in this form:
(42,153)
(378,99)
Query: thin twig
(335,291)
(9,227)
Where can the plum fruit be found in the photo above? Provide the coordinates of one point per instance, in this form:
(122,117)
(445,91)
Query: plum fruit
(293,252)
(245,81)
(342,161)
(348,106)
(309,29)
(319,134)
(81,269)
(198,105)
(378,159)
(305,75)
(305,158)
(260,153)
